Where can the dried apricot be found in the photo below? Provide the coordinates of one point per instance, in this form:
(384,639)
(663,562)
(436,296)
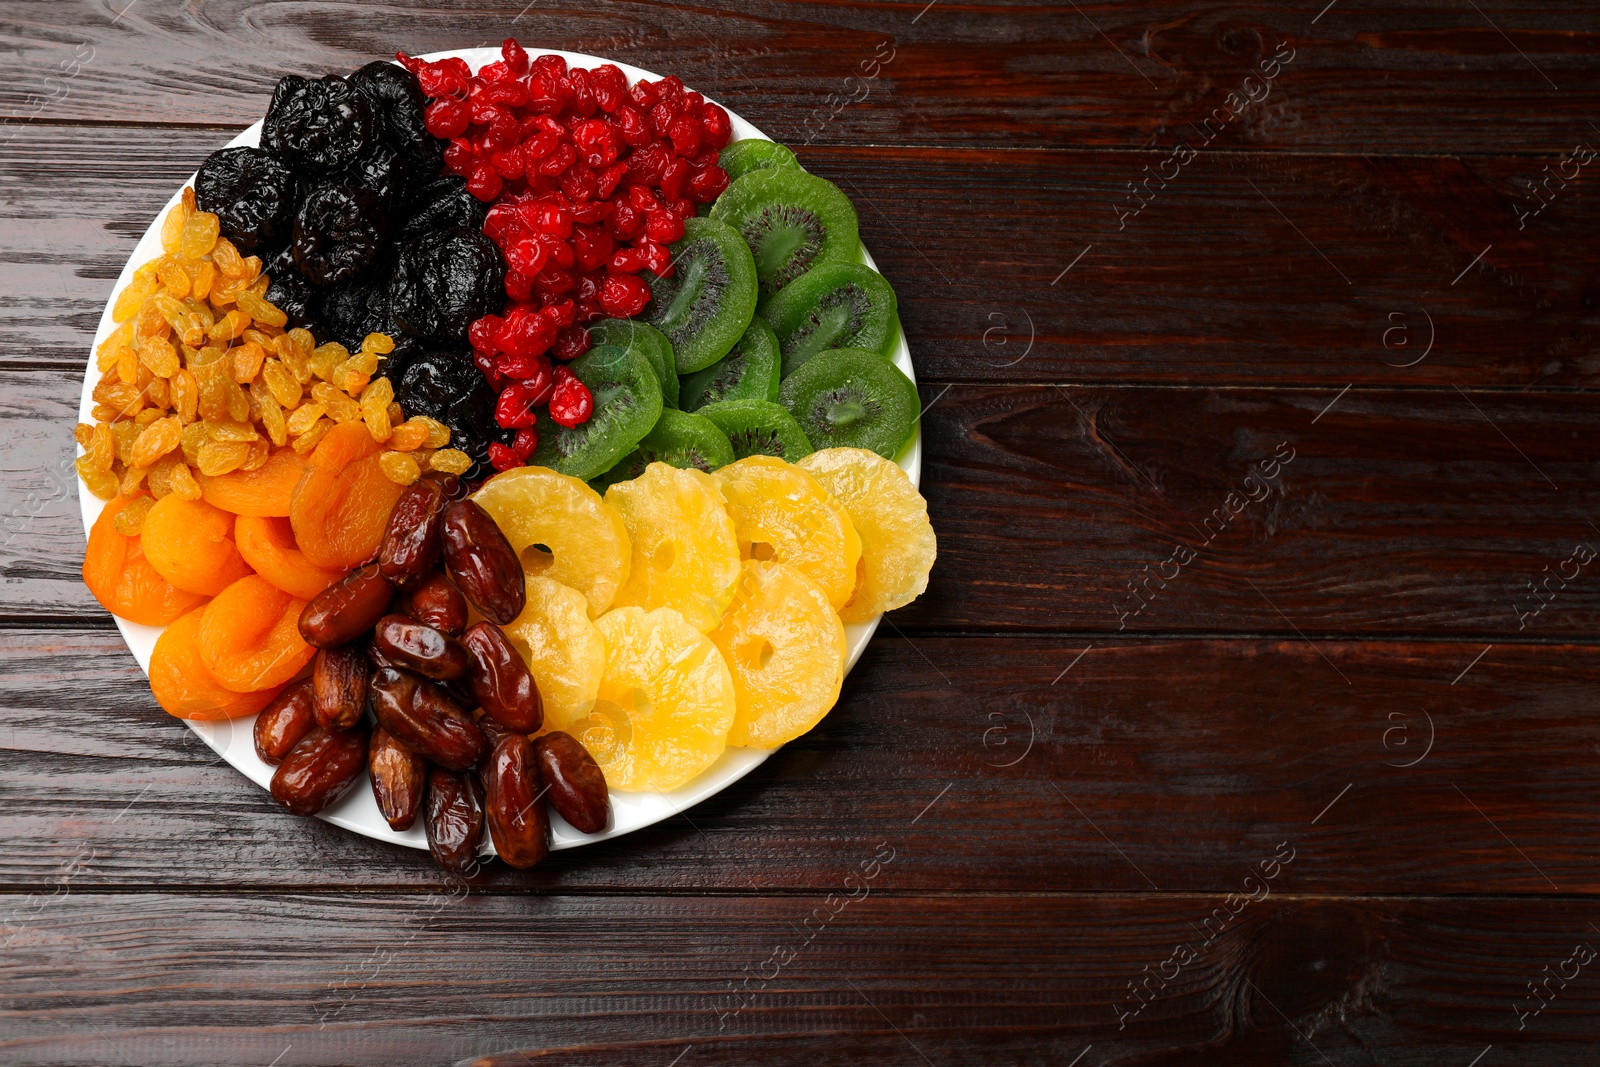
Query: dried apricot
(190,543)
(121,578)
(250,636)
(264,492)
(342,504)
(267,544)
(182,684)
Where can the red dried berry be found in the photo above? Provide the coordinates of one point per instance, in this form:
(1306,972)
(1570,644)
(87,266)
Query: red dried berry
(514,407)
(484,182)
(515,58)
(623,295)
(524,443)
(502,458)
(685,134)
(570,344)
(571,404)
(663,226)
(446,119)
(717,127)
(707,185)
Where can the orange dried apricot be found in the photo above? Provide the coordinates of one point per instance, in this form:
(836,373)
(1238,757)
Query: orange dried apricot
(342,504)
(182,684)
(121,578)
(190,543)
(267,544)
(250,636)
(264,492)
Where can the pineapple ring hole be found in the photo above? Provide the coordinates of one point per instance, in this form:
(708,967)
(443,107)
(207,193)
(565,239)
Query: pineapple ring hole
(662,560)
(536,559)
(762,550)
(756,654)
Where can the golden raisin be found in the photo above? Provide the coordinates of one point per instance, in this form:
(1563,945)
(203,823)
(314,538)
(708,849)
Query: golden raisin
(184,487)
(408,436)
(220,457)
(304,417)
(450,461)
(247,359)
(259,309)
(313,437)
(199,235)
(102,484)
(156,440)
(129,522)
(399,467)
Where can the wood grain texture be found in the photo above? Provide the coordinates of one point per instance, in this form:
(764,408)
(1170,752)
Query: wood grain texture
(1072,509)
(998,74)
(1010,765)
(978,980)
(1246,268)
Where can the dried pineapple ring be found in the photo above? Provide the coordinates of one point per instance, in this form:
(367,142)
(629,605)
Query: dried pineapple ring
(685,555)
(563,650)
(782,513)
(897,542)
(585,543)
(784,646)
(665,702)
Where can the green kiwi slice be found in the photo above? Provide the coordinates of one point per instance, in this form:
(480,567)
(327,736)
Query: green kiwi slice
(649,340)
(627,403)
(836,305)
(759,428)
(854,398)
(742,157)
(792,221)
(749,372)
(708,302)
(678,438)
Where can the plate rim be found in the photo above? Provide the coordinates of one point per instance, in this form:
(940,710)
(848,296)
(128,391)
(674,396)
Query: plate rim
(357,811)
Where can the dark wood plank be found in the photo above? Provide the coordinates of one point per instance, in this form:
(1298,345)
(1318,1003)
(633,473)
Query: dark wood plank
(1400,512)
(977,980)
(1124,74)
(1220,279)
(992,764)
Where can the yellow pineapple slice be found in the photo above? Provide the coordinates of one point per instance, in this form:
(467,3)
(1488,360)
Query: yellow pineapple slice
(562,648)
(784,646)
(782,513)
(897,542)
(665,702)
(685,556)
(562,530)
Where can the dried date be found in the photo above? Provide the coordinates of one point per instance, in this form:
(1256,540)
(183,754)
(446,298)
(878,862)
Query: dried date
(398,778)
(454,820)
(423,719)
(346,609)
(576,785)
(418,647)
(286,720)
(320,769)
(438,603)
(339,685)
(481,561)
(501,681)
(518,822)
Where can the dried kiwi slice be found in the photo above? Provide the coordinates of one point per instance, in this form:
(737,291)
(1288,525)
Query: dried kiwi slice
(751,154)
(854,398)
(749,372)
(631,333)
(708,302)
(836,305)
(792,220)
(759,428)
(627,402)
(678,439)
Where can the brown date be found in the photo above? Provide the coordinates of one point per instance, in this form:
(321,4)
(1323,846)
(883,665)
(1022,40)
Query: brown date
(418,647)
(518,822)
(500,679)
(339,686)
(398,777)
(437,603)
(346,609)
(320,769)
(576,785)
(423,719)
(282,723)
(411,543)
(481,561)
(454,820)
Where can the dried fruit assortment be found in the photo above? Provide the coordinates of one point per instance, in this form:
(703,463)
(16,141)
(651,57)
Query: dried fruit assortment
(426,275)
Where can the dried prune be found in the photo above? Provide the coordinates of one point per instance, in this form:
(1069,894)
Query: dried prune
(288,291)
(339,232)
(353,309)
(398,102)
(383,173)
(252,193)
(443,204)
(318,126)
(444,281)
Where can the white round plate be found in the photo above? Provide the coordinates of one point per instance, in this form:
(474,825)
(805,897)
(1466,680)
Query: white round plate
(232,738)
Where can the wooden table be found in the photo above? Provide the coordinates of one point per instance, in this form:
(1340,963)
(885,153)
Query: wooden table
(1249,717)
